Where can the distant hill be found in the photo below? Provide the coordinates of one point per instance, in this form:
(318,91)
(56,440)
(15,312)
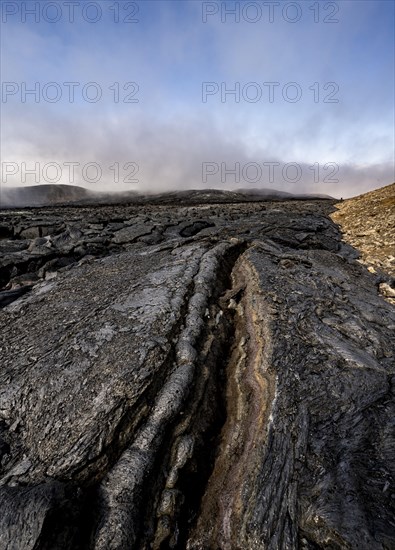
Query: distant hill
(52,195)
(273,193)
(42,195)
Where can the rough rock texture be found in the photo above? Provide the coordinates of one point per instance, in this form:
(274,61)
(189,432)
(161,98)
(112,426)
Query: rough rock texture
(201,377)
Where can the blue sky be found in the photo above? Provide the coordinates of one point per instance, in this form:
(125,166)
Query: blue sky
(168,53)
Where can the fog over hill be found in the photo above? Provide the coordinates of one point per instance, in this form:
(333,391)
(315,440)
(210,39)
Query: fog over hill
(48,195)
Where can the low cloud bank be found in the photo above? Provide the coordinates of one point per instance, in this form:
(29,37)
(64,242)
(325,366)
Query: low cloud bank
(148,156)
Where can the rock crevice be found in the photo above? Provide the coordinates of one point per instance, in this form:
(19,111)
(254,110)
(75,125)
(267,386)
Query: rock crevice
(232,388)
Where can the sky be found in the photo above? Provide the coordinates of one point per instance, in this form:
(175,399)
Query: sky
(163,95)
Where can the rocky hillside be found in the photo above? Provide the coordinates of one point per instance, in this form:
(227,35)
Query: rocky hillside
(368,224)
(214,376)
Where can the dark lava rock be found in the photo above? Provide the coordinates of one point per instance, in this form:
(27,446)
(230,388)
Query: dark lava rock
(132,233)
(229,388)
(195,228)
(9,296)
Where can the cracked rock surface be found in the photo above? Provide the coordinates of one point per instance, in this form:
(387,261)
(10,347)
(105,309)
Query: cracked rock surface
(214,376)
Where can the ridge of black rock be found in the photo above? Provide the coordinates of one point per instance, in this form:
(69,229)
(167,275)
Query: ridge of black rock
(193,376)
